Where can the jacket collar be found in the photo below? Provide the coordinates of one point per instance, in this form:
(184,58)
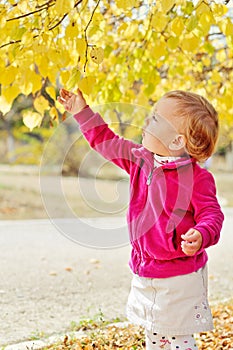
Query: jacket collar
(141,152)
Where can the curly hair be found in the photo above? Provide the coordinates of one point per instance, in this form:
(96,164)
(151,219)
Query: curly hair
(200,123)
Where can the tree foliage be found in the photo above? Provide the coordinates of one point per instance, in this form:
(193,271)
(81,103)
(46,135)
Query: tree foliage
(130,51)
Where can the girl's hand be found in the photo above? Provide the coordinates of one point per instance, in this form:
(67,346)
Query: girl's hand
(72,103)
(192,242)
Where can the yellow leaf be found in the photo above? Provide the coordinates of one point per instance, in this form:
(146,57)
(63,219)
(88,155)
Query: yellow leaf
(86,85)
(97,54)
(229,28)
(216,77)
(60,57)
(22,6)
(11,92)
(173,42)
(206,61)
(26,88)
(205,22)
(177,26)
(72,30)
(142,99)
(159,50)
(35,81)
(63,6)
(43,65)
(192,23)
(159,21)
(126,4)
(2,21)
(167,5)
(64,76)
(190,44)
(81,46)
(201,8)
(122,27)
(74,78)
(130,30)
(52,75)
(8,74)
(17,32)
(41,104)
(32,119)
(51,91)
(219,10)
(150,88)
(94,28)
(27,38)
(43,40)
(4,105)
(54,114)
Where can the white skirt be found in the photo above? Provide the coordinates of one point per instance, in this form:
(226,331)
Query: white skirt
(172,306)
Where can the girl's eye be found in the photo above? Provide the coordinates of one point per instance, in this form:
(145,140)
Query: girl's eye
(154,118)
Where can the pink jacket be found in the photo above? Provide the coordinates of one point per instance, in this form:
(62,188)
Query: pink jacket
(165,202)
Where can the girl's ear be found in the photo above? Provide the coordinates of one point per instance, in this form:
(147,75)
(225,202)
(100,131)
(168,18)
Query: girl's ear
(178,143)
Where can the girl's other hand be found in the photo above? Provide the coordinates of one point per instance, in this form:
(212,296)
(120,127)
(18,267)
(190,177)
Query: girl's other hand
(72,103)
(192,242)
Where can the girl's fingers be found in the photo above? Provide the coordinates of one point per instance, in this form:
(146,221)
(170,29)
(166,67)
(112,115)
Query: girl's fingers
(189,249)
(65,94)
(66,103)
(190,236)
(189,233)
(61,100)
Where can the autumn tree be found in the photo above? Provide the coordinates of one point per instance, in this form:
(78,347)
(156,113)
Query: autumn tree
(129,51)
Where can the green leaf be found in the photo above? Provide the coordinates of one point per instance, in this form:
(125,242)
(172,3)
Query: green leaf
(74,78)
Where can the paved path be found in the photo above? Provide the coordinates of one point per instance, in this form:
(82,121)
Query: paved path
(47,280)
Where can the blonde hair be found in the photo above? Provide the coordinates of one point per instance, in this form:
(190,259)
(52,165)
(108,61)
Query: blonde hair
(200,123)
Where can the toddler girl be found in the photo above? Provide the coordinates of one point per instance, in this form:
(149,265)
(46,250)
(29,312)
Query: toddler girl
(173,213)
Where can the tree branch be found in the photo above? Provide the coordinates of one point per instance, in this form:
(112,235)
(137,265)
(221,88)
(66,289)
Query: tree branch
(64,16)
(59,22)
(30,13)
(46,6)
(85,34)
(10,43)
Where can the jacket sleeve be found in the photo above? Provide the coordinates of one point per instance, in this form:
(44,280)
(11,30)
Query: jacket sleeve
(207,212)
(101,138)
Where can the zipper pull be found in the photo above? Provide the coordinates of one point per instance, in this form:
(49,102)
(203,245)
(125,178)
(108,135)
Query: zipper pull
(148,182)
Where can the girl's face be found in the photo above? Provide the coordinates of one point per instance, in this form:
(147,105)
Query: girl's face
(161,128)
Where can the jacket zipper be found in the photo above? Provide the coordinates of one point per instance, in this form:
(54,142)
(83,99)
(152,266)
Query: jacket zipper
(149,179)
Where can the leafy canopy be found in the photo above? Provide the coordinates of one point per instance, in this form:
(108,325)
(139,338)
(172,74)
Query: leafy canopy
(119,50)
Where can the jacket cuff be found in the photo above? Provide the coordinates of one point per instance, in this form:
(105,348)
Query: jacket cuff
(88,119)
(206,239)
(84,114)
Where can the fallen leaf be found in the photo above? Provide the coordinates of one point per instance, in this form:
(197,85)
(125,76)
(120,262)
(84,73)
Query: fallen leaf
(68,269)
(53,273)
(94,261)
